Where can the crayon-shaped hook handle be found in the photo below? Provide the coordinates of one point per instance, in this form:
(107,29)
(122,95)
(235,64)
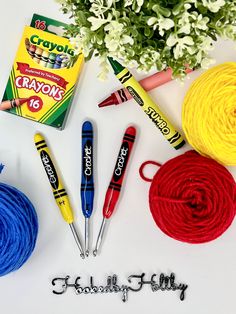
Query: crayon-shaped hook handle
(114,188)
(59,191)
(87,182)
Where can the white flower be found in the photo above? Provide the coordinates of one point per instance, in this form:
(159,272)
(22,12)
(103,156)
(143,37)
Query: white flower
(229,31)
(172,40)
(149,56)
(185,21)
(140,2)
(97,22)
(213,5)
(99,7)
(128,3)
(116,37)
(136,4)
(111,43)
(165,23)
(148,59)
(180,44)
(201,22)
(127,40)
(185,29)
(102,76)
(206,62)
(75,41)
(114,26)
(162,23)
(206,43)
(152,21)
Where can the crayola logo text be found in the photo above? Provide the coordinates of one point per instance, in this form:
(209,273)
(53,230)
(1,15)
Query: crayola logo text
(121,162)
(135,95)
(50,170)
(36,40)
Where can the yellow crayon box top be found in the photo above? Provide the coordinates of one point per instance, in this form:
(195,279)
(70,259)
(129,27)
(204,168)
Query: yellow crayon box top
(45,71)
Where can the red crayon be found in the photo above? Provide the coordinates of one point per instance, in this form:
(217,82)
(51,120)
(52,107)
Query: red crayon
(114,188)
(31,50)
(148,83)
(8,104)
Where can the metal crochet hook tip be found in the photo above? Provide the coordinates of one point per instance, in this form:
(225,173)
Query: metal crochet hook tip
(77,240)
(100,237)
(86,237)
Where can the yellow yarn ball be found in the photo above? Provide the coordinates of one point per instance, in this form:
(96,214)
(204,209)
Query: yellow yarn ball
(209,114)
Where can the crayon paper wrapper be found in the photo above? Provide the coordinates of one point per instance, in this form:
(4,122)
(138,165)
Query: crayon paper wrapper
(50,90)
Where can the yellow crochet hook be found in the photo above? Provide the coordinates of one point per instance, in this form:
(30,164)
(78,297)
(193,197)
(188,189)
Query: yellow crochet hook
(59,192)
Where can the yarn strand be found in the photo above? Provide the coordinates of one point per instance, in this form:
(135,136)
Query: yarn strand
(141,169)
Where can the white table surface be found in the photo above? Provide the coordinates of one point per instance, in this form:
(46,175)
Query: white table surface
(133,243)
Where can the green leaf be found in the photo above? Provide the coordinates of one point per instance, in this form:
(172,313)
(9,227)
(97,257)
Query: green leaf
(89,57)
(165,12)
(177,8)
(203,10)
(148,32)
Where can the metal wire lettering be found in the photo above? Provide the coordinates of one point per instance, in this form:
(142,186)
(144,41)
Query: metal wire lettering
(137,282)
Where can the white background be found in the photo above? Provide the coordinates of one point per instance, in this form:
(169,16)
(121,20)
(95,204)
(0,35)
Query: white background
(133,243)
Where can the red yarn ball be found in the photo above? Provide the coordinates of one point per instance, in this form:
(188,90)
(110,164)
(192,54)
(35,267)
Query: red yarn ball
(192,198)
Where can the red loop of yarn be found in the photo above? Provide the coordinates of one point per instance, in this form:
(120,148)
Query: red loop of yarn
(193,198)
(141,169)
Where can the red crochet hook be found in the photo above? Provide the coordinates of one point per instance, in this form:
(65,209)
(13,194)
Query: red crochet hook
(114,188)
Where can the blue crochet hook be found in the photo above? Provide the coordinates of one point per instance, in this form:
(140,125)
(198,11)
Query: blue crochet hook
(87,183)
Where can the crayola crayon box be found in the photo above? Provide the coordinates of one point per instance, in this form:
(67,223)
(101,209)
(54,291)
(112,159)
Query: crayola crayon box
(44,73)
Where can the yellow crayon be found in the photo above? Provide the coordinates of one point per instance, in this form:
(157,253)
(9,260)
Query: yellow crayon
(38,54)
(44,58)
(58,189)
(147,104)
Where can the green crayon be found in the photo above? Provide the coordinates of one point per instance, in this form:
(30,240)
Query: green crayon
(51,60)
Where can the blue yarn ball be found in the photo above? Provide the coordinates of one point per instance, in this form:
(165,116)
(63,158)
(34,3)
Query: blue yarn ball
(18,229)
